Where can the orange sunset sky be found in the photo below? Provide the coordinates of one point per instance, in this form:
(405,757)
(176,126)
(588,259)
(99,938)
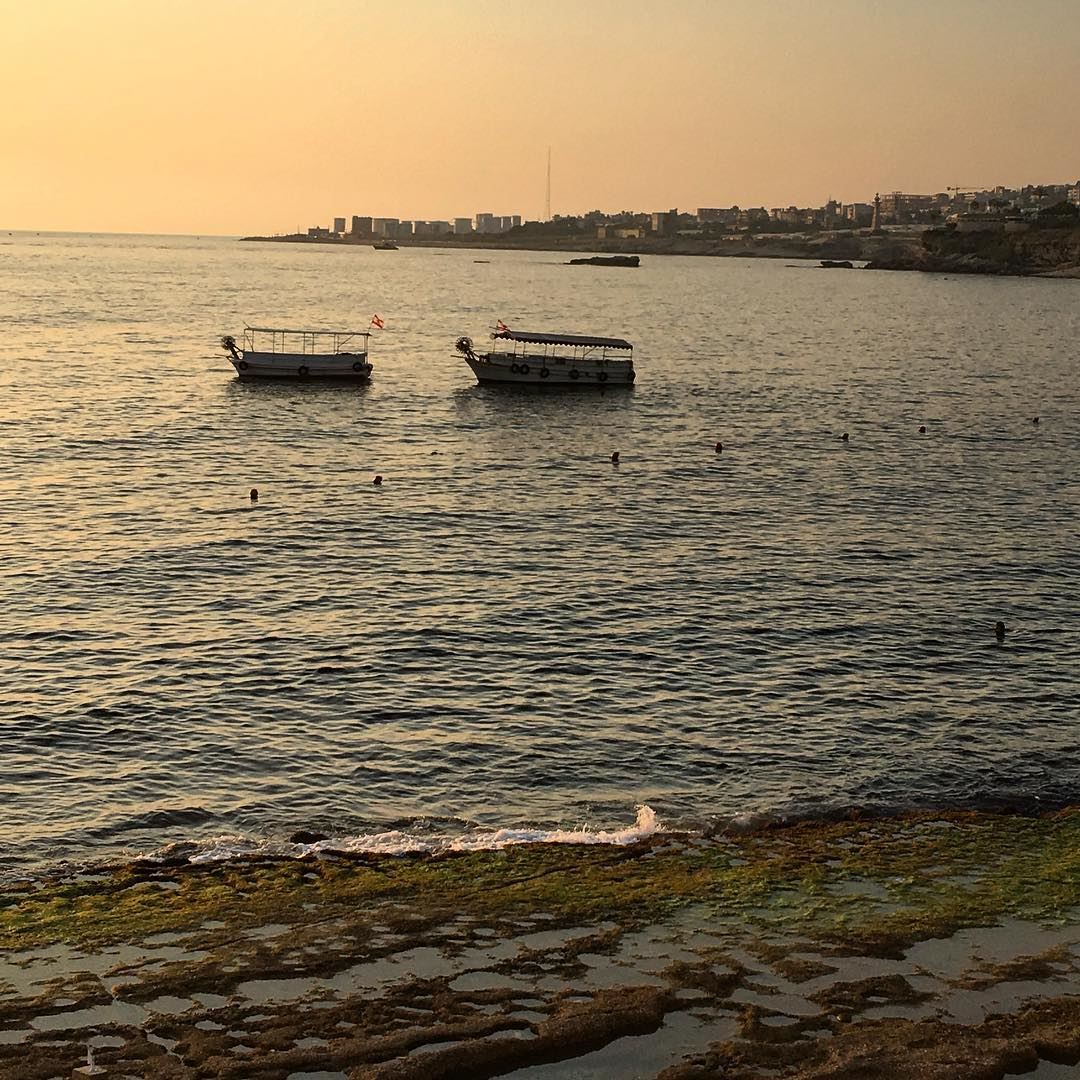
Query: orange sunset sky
(245,116)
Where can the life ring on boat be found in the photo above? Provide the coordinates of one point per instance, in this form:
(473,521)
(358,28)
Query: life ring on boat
(358,366)
(602,377)
(524,369)
(302,369)
(515,369)
(242,365)
(574,373)
(544,372)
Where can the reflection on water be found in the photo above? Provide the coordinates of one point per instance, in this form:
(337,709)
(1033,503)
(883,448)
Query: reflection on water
(510,629)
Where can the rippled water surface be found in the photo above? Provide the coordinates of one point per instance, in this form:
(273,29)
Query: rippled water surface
(512,631)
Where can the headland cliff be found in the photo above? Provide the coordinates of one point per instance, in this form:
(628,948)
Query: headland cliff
(1013,248)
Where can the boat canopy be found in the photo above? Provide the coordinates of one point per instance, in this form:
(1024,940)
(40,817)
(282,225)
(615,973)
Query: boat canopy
(288,330)
(562,339)
(310,342)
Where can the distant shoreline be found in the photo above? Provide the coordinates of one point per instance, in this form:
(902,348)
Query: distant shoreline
(840,245)
(1041,253)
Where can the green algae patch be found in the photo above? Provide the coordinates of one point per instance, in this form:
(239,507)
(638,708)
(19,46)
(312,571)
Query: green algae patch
(878,885)
(480,963)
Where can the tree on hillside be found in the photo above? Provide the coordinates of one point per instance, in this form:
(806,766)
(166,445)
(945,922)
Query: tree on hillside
(1064,211)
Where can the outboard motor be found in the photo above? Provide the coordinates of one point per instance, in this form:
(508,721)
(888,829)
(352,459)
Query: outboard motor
(228,343)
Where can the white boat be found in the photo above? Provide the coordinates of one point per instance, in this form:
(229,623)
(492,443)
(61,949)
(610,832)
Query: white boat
(300,354)
(551,359)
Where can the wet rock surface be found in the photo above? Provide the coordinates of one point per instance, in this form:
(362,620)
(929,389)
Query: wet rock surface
(925,947)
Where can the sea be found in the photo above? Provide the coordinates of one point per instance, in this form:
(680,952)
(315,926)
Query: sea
(513,638)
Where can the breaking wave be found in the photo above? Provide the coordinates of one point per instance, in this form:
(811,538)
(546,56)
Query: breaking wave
(398,842)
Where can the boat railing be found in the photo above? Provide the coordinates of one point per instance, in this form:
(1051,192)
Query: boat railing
(579,354)
(305,342)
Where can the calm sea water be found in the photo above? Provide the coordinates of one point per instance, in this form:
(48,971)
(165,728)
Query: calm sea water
(512,632)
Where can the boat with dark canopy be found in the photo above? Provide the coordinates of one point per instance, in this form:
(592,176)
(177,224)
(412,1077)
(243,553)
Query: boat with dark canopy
(520,356)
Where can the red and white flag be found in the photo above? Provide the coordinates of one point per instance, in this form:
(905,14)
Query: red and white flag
(501,327)
(376,322)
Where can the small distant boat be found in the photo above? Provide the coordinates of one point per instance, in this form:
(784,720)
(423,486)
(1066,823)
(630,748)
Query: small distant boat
(300,354)
(607,260)
(837,264)
(551,359)
(385,245)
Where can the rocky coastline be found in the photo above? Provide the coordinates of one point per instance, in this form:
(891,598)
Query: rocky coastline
(1009,249)
(927,946)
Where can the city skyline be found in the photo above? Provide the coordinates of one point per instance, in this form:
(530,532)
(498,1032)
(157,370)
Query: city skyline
(245,117)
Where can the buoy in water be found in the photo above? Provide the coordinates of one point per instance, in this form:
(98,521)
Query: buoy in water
(253,494)
(999,630)
(922,429)
(719,447)
(844,437)
(615,458)
(377,481)
(1034,419)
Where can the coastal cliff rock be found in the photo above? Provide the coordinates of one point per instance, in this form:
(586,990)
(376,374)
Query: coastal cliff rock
(997,249)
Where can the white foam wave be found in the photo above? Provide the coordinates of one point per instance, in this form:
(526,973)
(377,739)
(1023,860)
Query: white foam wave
(395,842)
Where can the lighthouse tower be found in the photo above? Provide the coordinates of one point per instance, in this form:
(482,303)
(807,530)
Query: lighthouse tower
(875,223)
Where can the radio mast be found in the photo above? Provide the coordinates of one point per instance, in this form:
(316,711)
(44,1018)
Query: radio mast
(547,200)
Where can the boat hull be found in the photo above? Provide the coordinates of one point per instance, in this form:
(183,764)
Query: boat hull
(503,369)
(347,367)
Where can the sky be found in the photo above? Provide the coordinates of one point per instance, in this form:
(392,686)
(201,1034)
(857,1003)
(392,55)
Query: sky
(235,117)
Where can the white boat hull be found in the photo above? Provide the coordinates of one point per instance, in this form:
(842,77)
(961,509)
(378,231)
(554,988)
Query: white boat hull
(353,367)
(504,368)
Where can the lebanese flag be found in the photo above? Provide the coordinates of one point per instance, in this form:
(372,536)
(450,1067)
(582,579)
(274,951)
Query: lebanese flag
(376,322)
(502,327)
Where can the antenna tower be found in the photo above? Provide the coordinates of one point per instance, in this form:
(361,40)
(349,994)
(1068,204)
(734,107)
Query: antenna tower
(547,200)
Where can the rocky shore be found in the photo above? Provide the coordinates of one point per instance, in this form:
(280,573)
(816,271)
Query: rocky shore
(1005,249)
(942,946)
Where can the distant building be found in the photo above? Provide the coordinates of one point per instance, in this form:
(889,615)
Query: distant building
(786,215)
(431,228)
(1074,194)
(361,226)
(619,232)
(713,217)
(859,214)
(318,232)
(339,225)
(404,229)
(515,221)
(384,226)
(665,222)
(485,223)
(898,207)
(754,218)
(976,222)
(462,226)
